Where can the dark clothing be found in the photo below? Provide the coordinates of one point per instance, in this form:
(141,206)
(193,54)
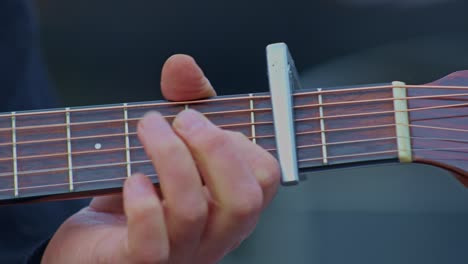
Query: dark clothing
(23,78)
(24,86)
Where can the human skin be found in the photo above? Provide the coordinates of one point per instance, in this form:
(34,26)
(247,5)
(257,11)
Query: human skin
(214,185)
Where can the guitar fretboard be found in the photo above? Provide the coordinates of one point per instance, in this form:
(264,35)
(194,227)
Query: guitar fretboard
(83,149)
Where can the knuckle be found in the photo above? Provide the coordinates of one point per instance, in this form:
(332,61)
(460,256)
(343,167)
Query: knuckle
(213,141)
(267,170)
(248,204)
(272,174)
(144,210)
(191,214)
(170,146)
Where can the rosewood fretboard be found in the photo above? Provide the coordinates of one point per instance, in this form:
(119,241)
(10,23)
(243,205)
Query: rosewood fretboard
(86,149)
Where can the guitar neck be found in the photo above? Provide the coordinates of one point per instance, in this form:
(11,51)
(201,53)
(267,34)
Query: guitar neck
(86,150)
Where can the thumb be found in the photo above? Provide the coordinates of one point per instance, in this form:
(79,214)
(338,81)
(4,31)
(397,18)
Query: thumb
(183,80)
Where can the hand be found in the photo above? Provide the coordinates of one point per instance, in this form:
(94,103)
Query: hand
(213,186)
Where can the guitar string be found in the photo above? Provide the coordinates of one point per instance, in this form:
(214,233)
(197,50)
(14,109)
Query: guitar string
(181,103)
(143,161)
(75,183)
(150,104)
(265,136)
(249,137)
(9,174)
(141,147)
(99,151)
(19,142)
(8,129)
(414,126)
(246,124)
(425,108)
(155,175)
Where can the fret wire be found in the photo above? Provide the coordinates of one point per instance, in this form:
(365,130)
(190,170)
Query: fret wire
(252,119)
(252,125)
(174,103)
(141,105)
(145,161)
(75,168)
(74,153)
(387,99)
(120,134)
(69,150)
(149,161)
(135,119)
(127,142)
(221,126)
(271,136)
(345,142)
(381,87)
(154,175)
(352,155)
(241,97)
(322,128)
(355,89)
(77,183)
(14,128)
(269,109)
(265,136)
(257,136)
(15,162)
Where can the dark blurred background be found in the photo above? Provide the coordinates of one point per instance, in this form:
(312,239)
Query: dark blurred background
(112,51)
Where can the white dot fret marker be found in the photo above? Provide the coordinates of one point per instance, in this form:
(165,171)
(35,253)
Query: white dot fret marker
(322,128)
(69,151)
(186,106)
(97,146)
(252,119)
(15,162)
(127,142)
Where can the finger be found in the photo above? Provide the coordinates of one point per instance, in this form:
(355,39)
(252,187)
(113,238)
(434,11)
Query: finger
(147,240)
(234,189)
(265,168)
(185,205)
(182,80)
(108,204)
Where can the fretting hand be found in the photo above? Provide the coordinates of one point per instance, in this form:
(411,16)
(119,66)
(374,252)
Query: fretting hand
(214,184)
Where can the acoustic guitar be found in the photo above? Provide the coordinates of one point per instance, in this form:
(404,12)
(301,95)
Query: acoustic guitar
(82,151)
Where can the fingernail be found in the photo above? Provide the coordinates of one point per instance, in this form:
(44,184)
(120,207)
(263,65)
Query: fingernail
(189,121)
